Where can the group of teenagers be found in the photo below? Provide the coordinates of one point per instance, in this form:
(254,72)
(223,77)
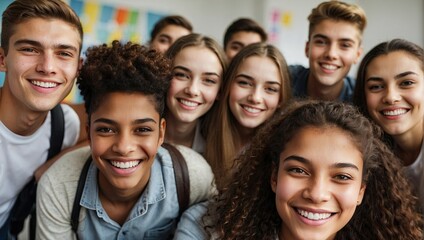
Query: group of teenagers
(272,151)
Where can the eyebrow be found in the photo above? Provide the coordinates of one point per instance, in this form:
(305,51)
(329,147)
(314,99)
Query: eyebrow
(252,79)
(111,122)
(307,162)
(325,37)
(237,43)
(165,36)
(188,70)
(398,76)
(39,45)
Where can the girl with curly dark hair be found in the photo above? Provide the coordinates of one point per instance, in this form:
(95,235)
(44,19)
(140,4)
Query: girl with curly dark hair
(318,171)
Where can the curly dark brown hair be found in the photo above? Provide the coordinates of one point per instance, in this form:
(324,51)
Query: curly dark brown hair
(246,209)
(126,67)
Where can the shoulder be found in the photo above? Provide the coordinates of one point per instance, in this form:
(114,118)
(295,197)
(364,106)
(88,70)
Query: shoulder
(68,167)
(200,175)
(72,126)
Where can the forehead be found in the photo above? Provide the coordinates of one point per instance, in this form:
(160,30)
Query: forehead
(324,146)
(394,63)
(48,32)
(336,30)
(246,37)
(199,57)
(174,31)
(127,105)
(260,67)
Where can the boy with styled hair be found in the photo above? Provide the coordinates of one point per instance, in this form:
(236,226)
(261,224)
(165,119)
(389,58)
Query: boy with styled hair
(40,55)
(334,44)
(240,33)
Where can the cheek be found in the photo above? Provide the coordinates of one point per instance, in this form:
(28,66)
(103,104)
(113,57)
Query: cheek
(174,88)
(210,93)
(272,101)
(99,145)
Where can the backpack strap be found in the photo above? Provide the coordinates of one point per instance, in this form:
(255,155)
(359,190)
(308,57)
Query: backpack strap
(57,132)
(25,204)
(76,208)
(182,179)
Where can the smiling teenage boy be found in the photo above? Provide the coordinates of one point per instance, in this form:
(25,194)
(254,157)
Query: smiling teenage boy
(334,44)
(40,55)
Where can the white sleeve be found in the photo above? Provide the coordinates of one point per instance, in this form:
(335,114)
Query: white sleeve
(72,126)
(202,186)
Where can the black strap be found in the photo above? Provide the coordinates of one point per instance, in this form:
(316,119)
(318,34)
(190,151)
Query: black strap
(57,132)
(182,179)
(25,204)
(76,208)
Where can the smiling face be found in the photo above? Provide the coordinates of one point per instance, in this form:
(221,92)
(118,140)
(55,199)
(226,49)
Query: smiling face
(255,91)
(165,38)
(394,87)
(319,183)
(197,74)
(239,40)
(124,140)
(41,64)
(332,48)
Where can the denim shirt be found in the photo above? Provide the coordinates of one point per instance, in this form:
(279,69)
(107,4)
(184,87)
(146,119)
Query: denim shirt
(153,216)
(299,77)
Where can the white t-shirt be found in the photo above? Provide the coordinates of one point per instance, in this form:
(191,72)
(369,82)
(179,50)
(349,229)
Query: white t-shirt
(415,173)
(20,156)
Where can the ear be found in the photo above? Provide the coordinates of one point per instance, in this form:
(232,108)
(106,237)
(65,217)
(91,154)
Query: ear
(2,60)
(162,128)
(358,54)
(361,194)
(274,177)
(307,49)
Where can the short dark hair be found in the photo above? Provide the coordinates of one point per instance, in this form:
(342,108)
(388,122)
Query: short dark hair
(129,67)
(170,20)
(22,10)
(244,24)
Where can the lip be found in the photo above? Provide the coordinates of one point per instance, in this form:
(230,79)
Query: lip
(43,85)
(328,67)
(393,113)
(124,162)
(188,104)
(250,110)
(321,216)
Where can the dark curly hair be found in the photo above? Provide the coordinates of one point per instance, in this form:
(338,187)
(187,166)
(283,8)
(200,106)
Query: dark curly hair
(126,67)
(246,209)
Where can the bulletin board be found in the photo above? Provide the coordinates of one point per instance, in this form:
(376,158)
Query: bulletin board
(103,23)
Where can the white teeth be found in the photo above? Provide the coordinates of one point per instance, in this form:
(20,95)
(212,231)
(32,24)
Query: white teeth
(44,84)
(329,67)
(124,165)
(251,110)
(313,216)
(394,112)
(189,103)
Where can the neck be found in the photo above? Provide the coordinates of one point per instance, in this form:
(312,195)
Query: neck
(315,90)
(17,117)
(245,136)
(181,133)
(408,146)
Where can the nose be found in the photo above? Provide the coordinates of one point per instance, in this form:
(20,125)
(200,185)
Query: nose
(46,63)
(193,88)
(124,144)
(392,96)
(317,191)
(331,51)
(255,96)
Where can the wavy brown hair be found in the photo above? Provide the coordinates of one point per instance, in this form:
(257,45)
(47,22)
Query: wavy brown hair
(222,135)
(247,209)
